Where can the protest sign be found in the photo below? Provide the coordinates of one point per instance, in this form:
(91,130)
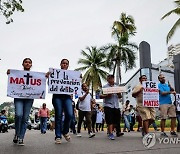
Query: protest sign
(113,90)
(150,94)
(178,102)
(64,81)
(26,84)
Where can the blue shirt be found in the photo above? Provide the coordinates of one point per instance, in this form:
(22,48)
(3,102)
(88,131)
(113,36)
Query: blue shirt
(164,99)
(113,101)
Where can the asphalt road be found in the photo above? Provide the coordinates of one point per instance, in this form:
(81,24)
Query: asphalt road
(130,143)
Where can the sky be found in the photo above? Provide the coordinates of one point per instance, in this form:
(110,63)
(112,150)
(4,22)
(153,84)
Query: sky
(51,30)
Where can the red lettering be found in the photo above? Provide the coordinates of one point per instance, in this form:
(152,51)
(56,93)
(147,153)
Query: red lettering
(12,80)
(33,81)
(21,81)
(38,82)
(151,103)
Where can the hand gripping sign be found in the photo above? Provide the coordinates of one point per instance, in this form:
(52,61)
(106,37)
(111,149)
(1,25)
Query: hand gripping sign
(26,84)
(64,81)
(150,94)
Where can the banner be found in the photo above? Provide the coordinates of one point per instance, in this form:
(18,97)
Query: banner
(113,90)
(26,84)
(150,94)
(64,81)
(178,102)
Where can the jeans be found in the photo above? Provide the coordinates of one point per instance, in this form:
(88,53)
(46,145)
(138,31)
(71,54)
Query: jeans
(126,122)
(22,110)
(62,103)
(43,124)
(178,119)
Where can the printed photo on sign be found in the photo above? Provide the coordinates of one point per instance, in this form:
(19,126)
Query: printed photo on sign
(26,84)
(150,94)
(64,81)
(178,102)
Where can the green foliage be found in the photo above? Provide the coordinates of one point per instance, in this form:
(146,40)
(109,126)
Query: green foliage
(10,120)
(177,23)
(94,63)
(122,52)
(8,7)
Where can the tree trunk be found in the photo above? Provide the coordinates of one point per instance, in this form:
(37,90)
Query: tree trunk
(92,89)
(118,73)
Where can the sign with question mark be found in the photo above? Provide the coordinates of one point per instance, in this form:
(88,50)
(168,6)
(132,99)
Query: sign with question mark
(64,81)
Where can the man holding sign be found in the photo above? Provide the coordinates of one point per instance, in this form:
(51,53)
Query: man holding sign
(111,108)
(167,109)
(147,113)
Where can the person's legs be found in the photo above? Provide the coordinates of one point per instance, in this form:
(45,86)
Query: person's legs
(163,123)
(18,104)
(88,121)
(178,124)
(173,124)
(68,111)
(93,119)
(57,103)
(146,126)
(80,120)
(45,125)
(27,104)
(41,124)
(126,121)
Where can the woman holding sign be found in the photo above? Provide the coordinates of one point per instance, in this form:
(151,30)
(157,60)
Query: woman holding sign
(62,103)
(22,109)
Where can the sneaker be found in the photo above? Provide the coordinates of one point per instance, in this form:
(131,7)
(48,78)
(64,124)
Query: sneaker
(78,135)
(163,134)
(58,141)
(21,143)
(67,137)
(15,139)
(111,137)
(173,133)
(91,135)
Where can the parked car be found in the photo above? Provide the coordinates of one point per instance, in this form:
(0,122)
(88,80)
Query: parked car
(12,125)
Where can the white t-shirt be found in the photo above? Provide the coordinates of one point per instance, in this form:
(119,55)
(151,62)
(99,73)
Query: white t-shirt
(85,105)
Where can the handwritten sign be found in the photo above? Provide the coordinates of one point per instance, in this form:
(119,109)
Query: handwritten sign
(178,102)
(64,81)
(113,90)
(150,94)
(26,84)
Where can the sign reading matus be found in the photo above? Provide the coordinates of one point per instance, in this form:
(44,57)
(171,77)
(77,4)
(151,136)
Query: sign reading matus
(64,81)
(26,84)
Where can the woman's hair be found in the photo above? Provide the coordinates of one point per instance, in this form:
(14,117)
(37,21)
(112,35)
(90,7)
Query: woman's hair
(63,60)
(27,59)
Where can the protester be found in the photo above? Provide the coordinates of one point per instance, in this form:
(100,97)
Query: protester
(94,108)
(126,116)
(132,117)
(167,108)
(147,113)
(85,110)
(111,109)
(22,109)
(73,120)
(62,102)
(44,115)
(99,119)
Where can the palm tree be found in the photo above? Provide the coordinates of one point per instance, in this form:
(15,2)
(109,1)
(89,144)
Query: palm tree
(124,25)
(122,53)
(177,23)
(94,63)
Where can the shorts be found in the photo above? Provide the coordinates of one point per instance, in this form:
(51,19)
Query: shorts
(112,115)
(167,110)
(146,113)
